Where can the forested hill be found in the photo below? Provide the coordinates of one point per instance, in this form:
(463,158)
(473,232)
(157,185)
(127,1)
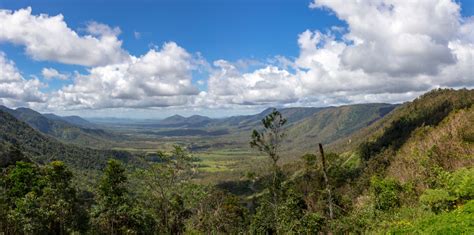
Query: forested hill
(42,149)
(74,120)
(68,129)
(330,124)
(395,127)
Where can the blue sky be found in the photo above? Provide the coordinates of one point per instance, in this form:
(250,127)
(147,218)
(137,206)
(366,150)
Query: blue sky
(249,31)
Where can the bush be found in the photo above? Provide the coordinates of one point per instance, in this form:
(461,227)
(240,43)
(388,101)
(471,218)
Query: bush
(386,193)
(459,221)
(312,223)
(437,199)
(461,183)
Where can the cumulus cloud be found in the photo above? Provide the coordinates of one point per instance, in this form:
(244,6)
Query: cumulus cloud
(267,85)
(98,29)
(16,90)
(397,37)
(50,73)
(49,38)
(159,78)
(391,51)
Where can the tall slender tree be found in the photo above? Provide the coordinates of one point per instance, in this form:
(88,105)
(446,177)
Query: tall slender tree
(269,142)
(112,201)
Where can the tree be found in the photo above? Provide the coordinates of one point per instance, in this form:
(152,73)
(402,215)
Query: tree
(22,185)
(23,178)
(269,141)
(219,212)
(59,199)
(41,200)
(167,183)
(114,213)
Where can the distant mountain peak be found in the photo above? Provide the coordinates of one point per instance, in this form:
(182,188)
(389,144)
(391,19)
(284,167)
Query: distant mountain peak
(175,117)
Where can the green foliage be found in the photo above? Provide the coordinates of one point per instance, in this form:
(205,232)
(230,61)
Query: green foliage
(264,220)
(386,193)
(23,178)
(269,141)
(311,223)
(219,212)
(461,183)
(289,216)
(27,216)
(114,212)
(270,138)
(437,199)
(452,188)
(167,184)
(458,221)
(310,160)
(41,200)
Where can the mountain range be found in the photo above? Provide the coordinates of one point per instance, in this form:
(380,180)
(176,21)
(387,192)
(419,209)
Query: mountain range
(46,136)
(70,129)
(41,148)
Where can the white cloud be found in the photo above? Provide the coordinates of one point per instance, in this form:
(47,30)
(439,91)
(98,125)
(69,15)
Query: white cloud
(16,90)
(49,38)
(267,85)
(50,73)
(98,29)
(397,37)
(391,51)
(157,79)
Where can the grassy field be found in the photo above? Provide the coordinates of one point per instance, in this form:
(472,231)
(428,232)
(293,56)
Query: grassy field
(226,160)
(214,165)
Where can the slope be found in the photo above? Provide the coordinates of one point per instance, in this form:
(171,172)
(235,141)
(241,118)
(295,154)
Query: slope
(41,148)
(331,124)
(73,120)
(59,128)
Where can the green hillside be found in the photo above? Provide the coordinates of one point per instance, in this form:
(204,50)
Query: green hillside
(74,120)
(42,149)
(331,124)
(63,129)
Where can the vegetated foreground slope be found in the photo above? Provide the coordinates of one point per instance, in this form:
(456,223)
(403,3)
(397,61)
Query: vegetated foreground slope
(42,149)
(415,166)
(449,145)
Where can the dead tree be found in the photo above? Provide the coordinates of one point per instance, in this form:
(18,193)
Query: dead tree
(326,180)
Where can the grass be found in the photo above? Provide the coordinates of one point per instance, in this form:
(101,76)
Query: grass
(215,165)
(225,160)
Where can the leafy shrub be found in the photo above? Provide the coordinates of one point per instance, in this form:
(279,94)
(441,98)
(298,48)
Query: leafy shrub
(437,199)
(462,183)
(312,223)
(458,221)
(386,193)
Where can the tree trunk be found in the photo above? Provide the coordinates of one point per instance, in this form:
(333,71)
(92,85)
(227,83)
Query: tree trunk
(326,180)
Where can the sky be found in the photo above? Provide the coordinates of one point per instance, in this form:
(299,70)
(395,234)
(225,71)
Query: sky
(152,59)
